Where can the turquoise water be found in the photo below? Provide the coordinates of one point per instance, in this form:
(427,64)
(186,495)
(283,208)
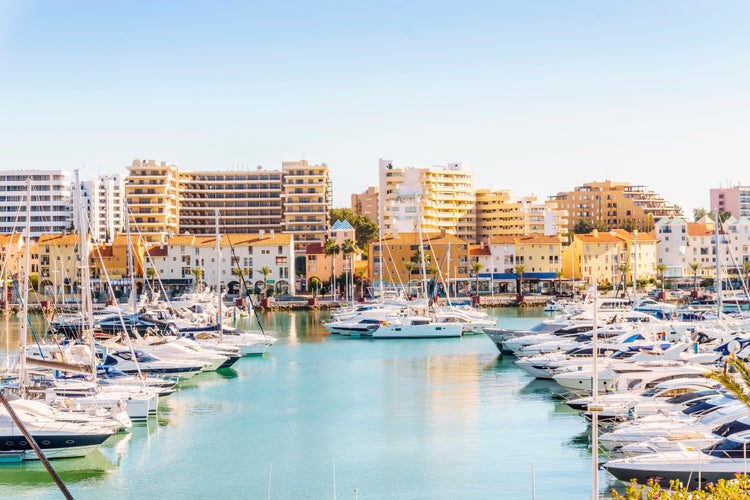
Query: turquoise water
(323,416)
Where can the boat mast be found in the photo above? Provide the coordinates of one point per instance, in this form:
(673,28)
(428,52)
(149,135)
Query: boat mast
(131,299)
(87,308)
(421,250)
(24,282)
(218,275)
(719,305)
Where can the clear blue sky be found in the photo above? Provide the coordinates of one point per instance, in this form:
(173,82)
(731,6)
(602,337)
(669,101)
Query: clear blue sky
(536,97)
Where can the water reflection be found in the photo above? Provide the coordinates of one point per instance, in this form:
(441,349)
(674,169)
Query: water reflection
(71,470)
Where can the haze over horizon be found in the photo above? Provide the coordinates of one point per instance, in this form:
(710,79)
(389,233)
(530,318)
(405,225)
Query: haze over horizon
(535,98)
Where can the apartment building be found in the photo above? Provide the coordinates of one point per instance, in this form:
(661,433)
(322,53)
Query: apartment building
(152,194)
(735,200)
(307,196)
(322,266)
(396,258)
(248,201)
(428,199)
(500,214)
(104,204)
(367,203)
(616,204)
(51,201)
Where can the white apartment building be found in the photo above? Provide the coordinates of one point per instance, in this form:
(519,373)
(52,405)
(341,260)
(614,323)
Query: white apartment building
(51,201)
(104,200)
(175,259)
(683,243)
(438,198)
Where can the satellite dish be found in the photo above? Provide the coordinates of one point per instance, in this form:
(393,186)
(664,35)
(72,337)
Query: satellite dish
(733,347)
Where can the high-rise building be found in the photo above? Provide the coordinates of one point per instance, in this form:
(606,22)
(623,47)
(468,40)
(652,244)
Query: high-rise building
(307,196)
(616,204)
(51,201)
(428,199)
(104,200)
(248,201)
(152,196)
(367,203)
(500,214)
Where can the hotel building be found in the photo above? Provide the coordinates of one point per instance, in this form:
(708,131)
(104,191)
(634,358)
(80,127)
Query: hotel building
(307,196)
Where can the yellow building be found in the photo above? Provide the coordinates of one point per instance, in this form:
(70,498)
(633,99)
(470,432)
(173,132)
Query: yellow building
(500,214)
(152,194)
(594,255)
(396,258)
(616,204)
(639,253)
(59,263)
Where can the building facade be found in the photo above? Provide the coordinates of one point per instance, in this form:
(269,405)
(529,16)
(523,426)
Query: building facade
(440,198)
(307,196)
(500,214)
(735,200)
(367,203)
(248,201)
(152,194)
(616,204)
(104,203)
(51,201)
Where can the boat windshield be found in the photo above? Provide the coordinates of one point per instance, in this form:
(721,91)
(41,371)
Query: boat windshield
(728,448)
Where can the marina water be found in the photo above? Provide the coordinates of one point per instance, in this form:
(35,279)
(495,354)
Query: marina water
(325,416)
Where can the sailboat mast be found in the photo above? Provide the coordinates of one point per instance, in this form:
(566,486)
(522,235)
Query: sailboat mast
(87,308)
(719,305)
(24,282)
(131,299)
(421,250)
(218,274)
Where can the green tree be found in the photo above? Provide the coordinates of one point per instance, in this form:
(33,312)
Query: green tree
(601,226)
(583,227)
(34,281)
(265,271)
(332,249)
(314,286)
(630,225)
(746,267)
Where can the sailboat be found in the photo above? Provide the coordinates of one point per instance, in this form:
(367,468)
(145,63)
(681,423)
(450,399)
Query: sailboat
(57,433)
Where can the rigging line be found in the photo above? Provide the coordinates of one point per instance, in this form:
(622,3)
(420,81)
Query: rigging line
(150,259)
(242,277)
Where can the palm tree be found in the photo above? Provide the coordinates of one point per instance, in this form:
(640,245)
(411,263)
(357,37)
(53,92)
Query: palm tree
(314,285)
(695,266)
(265,271)
(475,268)
(198,273)
(559,274)
(662,268)
(746,266)
(349,248)
(331,249)
(520,268)
(240,273)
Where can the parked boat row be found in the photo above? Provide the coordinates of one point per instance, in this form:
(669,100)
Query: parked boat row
(659,412)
